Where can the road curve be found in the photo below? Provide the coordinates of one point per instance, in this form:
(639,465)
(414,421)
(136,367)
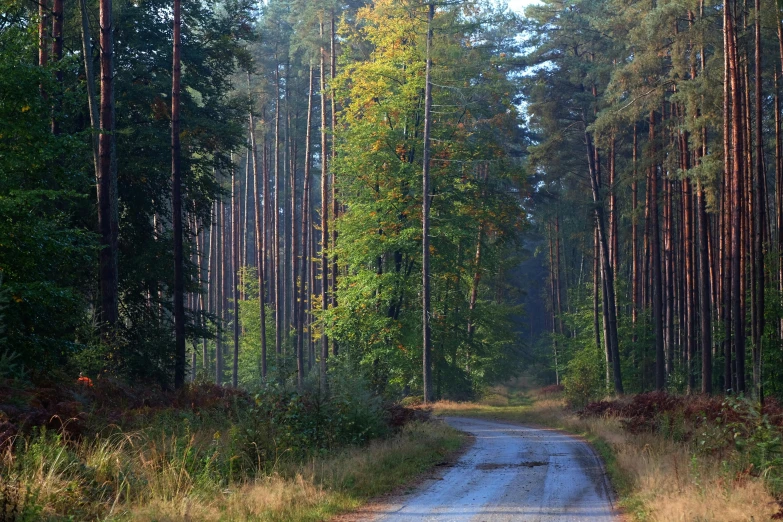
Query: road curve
(512,473)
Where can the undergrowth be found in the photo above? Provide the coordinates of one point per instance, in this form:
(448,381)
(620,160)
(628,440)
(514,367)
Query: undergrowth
(112,452)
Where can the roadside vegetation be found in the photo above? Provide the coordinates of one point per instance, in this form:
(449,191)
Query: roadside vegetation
(668,457)
(110,452)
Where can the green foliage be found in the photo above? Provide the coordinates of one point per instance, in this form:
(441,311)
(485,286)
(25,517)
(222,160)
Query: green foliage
(45,248)
(584,380)
(48,247)
(250,338)
(357,409)
(10,367)
(474,178)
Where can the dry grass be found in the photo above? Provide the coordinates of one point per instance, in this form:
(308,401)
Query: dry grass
(317,490)
(150,480)
(656,478)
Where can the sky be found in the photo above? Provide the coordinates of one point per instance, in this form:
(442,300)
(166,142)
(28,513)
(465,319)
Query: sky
(519,5)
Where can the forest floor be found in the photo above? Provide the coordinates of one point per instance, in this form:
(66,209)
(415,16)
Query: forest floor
(687,471)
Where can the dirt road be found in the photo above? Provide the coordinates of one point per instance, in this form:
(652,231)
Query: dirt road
(511,473)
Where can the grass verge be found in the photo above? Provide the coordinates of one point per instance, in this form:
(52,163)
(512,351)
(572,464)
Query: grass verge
(655,477)
(163,490)
(319,489)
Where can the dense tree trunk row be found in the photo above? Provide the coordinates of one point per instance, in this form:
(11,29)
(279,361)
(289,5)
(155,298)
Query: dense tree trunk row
(700,270)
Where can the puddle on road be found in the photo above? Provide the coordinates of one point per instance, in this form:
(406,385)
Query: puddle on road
(528,464)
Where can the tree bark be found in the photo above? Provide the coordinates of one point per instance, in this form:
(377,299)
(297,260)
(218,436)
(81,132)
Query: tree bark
(43,37)
(176,208)
(278,272)
(324,220)
(761,203)
(335,202)
(552,294)
(635,294)
(303,288)
(89,74)
(260,225)
(57,52)
(704,296)
(779,168)
(235,197)
(655,246)
(688,263)
(607,274)
(596,293)
(736,192)
(107,178)
(220,260)
(210,287)
(425,219)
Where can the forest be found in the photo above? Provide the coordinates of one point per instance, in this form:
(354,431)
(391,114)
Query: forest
(310,216)
(669,115)
(259,205)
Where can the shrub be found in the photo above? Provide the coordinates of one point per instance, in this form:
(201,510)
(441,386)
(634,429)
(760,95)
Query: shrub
(583,381)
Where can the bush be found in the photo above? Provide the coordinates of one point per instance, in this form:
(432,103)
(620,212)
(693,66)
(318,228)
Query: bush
(583,381)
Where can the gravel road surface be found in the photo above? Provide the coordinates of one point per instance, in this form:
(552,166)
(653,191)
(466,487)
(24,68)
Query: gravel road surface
(511,473)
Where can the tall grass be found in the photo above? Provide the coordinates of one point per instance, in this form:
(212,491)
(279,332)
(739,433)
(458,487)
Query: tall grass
(143,476)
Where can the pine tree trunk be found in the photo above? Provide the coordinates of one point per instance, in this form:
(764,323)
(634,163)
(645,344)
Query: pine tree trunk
(235,199)
(289,174)
(477,268)
(200,243)
(243,211)
(278,272)
(607,274)
(176,206)
(210,288)
(43,33)
(260,226)
(761,202)
(107,179)
(425,220)
(655,246)
(554,299)
(596,293)
(292,241)
(57,54)
(335,202)
(324,218)
(690,281)
(196,299)
(736,192)
(668,276)
(219,290)
(704,296)
(313,281)
(558,286)
(300,365)
(614,241)
(689,276)
(92,103)
(779,169)
(635,290)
